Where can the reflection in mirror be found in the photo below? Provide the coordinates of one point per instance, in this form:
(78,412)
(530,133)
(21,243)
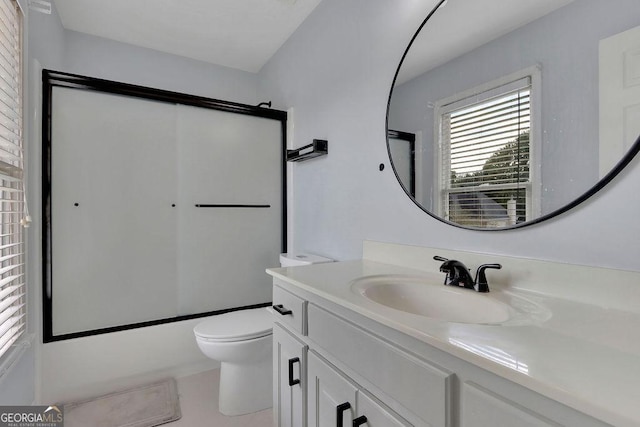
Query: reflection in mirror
(402,146)
(519,110)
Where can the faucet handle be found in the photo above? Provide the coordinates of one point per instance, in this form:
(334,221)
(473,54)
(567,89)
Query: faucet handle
(481,284)
(457,273)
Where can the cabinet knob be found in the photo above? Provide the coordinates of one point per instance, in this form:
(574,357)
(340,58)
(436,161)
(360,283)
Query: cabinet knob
(359,421)
(293,382)
(340,412)
(283,311)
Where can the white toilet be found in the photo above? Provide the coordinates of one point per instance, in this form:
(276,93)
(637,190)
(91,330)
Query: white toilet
(241,342)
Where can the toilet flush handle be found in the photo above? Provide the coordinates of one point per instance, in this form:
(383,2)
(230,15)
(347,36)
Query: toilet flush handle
(283,311)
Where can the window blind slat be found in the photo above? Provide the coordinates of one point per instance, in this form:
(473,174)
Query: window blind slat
(9,301)
(6,280)
(8,27)
(8,268)
(4,327)
(495,122)
(9,245)
(10,10)
(9,105)
(8,64)
(4,315)
(498,171)
(9,212)
(8,112)
(9,174)
(491,145)
(498,130)
(10,337)
(9,158)
(488,188)
(489,113)
(506,132)
(8,291)
(509,183)
(10,224)
(13,126)
(8,257)
(10,189)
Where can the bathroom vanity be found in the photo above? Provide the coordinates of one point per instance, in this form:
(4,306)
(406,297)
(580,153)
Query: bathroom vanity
(342,358)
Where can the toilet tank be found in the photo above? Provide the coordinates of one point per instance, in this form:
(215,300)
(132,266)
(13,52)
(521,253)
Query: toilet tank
(296,259)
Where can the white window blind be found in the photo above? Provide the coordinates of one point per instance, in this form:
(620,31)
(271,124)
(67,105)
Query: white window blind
(485,150)
(12,201)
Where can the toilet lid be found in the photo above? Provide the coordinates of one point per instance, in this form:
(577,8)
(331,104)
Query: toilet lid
(236,326)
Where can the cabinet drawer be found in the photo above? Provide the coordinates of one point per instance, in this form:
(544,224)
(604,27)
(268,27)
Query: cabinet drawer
(481,407)
(290,310)
(422,388)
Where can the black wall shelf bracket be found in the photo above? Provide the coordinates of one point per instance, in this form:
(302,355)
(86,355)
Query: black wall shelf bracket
(319,147)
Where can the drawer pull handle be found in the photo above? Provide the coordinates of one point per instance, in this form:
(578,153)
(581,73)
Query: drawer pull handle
(293,382)
(340,411)
(280,309)
(359,421)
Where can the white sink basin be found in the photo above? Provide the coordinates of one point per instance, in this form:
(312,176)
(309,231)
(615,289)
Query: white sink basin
(422,296)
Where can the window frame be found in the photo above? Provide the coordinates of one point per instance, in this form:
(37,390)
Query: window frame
(491,89)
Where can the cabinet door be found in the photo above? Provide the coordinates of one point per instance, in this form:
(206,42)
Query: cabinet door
(334,401)
(376,415)
(289,379)
(332,398)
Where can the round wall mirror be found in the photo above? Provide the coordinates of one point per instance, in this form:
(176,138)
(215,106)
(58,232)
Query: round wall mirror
(505,113)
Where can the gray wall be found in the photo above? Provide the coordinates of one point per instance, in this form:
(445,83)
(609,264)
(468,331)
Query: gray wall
(565,45)
(98,57)
(338,82)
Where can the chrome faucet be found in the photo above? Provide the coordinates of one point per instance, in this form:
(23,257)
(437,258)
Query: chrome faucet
(458,274)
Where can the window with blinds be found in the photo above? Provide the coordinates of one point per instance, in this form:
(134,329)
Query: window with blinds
(12,200)
(485,152)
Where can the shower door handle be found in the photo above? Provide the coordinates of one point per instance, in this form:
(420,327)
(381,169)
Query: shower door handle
(292,361)
(283,311)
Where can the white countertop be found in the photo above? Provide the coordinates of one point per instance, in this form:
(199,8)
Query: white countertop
(583,356)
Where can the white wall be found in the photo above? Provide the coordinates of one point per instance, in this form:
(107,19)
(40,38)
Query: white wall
(101,58)
(336,71)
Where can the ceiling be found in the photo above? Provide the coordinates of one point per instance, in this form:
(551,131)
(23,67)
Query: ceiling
(241,34)
(461,26)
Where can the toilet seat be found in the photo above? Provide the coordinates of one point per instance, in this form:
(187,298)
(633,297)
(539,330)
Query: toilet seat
(236,326)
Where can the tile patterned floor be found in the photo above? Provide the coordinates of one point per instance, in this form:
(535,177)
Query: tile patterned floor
(199,405)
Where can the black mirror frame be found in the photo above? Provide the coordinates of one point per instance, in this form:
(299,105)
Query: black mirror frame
(626,159)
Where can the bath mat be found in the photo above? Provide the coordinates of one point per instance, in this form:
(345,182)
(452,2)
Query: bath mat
(145,406)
